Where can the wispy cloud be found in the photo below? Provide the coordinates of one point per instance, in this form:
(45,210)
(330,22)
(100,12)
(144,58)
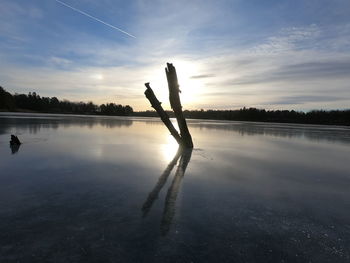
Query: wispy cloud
(289,39)
(305,99)
(11,27)
(60,62)
(203,76)
(304,71)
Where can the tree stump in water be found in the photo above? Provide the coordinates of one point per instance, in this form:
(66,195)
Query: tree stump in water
(184,138)
(174,98)
(14,140)
(162,114)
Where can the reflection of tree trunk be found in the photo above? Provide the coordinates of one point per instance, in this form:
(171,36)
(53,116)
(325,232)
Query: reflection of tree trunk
(170,199)
(153,195)
(15,148)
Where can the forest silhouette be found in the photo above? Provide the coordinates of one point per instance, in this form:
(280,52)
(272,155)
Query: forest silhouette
(34,103)
(331,117)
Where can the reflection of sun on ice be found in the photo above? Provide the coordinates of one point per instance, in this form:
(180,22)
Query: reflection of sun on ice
(169,149)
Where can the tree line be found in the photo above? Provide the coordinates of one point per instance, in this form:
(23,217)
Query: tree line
(33,102)
(331,117)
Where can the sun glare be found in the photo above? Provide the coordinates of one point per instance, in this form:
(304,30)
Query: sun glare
(97,76)
(190,87)
(170,148)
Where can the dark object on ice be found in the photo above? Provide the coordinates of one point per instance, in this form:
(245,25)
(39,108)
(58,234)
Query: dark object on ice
(14,140)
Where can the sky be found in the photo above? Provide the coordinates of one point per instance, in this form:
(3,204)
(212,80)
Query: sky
(272,54)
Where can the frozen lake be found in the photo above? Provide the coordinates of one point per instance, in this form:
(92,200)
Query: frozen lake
(113,189)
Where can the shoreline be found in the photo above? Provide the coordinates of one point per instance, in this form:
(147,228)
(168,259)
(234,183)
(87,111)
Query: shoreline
(19,113)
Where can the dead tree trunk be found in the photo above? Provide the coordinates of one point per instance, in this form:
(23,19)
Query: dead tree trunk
(162,114)
(176,105)
(184,139)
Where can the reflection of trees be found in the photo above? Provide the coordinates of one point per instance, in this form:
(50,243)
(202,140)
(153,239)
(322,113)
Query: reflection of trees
(3,129)
(111,123)
(311,132)
(34,123)
(170,200)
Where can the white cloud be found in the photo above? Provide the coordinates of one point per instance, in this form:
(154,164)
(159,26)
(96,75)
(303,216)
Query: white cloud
(288,39)
(62,62)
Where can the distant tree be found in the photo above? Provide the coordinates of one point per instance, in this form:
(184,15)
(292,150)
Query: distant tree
(54,105)
(6,100)
(128,110)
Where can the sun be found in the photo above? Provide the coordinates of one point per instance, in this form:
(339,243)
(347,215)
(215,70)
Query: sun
(190,87)
(97,76)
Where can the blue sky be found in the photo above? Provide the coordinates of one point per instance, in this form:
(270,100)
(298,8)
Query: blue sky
(269,54)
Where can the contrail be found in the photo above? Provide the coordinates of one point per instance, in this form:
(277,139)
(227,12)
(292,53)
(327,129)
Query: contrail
(94,18)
